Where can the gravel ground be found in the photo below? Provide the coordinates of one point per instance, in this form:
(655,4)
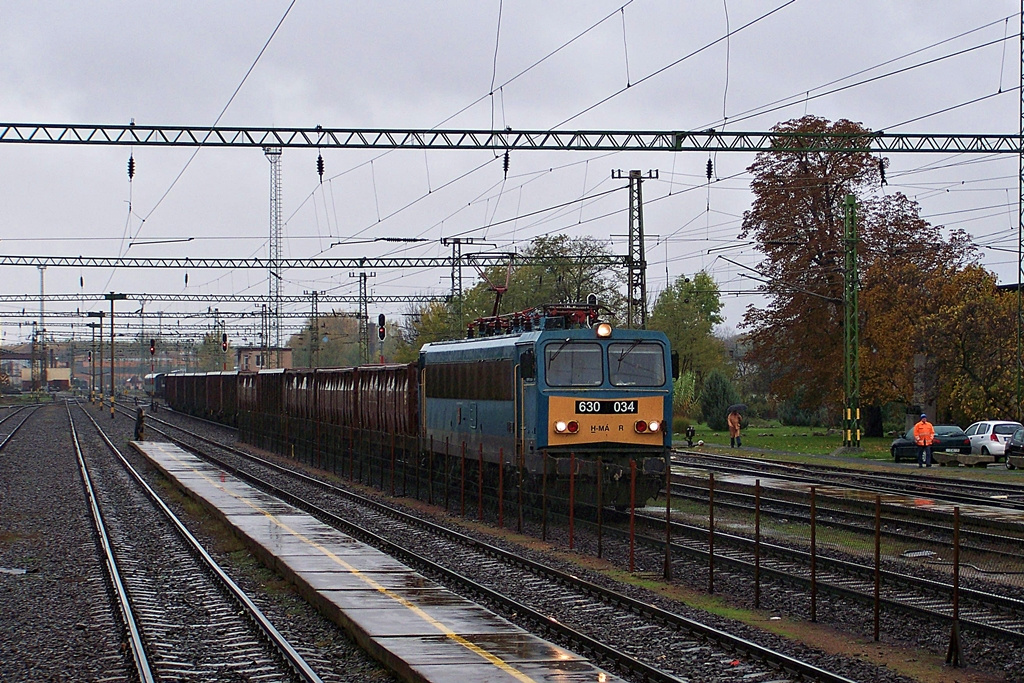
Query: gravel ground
(56,618)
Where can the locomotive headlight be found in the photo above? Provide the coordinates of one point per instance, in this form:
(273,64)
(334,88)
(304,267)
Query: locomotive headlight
(560,427)
(654,426)
(604,330)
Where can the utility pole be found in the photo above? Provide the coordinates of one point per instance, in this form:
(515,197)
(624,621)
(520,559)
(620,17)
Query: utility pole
(364,316)
(274,157)
(636,259)
(456,245)
(99,353)
(92,362)
(112,297)
(314,333)
(1020,226)
(43,381)
(851,327)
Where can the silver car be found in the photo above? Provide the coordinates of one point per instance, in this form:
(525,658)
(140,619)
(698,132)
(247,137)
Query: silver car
(989,437)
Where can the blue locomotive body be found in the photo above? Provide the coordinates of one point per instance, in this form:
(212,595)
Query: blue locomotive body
(583,393)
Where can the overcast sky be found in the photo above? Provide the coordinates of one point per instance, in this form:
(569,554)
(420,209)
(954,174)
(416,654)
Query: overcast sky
(420,65)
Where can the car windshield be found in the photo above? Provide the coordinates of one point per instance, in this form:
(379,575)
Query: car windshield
(636,364)
(1005,429)
(573,364)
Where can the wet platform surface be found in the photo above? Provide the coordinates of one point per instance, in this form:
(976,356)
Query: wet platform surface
(419,629)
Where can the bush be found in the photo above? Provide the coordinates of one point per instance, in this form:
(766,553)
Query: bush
(715,399)
(684,393)
(679,425)
(793,414)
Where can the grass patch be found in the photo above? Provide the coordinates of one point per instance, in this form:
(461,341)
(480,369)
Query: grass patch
(773,436)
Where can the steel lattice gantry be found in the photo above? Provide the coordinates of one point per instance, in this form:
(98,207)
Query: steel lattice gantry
(580,140)
(285,264)
(224,298)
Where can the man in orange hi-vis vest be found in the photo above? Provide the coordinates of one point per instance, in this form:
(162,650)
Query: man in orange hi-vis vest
(924,436)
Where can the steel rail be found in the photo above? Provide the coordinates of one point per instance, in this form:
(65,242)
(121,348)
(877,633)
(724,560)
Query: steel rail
(290,655)
(14,431)
(130,623)
(775,659)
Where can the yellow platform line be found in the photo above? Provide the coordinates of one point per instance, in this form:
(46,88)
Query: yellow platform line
(440,626)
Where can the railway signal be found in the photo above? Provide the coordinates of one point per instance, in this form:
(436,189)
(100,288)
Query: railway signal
(152,347)
(381,330)
(224,342)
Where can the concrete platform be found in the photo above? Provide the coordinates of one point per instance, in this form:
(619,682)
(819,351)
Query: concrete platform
(420,630)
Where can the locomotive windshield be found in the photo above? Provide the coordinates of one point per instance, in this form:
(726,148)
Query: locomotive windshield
(573,364)
(636,364)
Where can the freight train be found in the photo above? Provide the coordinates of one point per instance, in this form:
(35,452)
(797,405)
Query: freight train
(540,391)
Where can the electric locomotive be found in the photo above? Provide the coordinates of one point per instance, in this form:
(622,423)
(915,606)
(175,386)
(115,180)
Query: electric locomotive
(551,389)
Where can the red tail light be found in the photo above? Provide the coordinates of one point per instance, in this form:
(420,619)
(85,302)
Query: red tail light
(994,437)
(573,426)
(640,426)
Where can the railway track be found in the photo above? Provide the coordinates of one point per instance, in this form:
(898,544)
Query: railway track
(1008,495)
(584,616)
(12,430)
(186,619)
(992,614)
(833,514)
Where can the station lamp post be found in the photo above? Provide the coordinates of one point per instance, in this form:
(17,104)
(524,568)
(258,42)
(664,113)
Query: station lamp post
(112,297)
(92,361)
(98,314)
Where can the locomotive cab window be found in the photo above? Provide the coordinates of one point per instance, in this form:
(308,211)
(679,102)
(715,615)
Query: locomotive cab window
(573,364)
(636,364)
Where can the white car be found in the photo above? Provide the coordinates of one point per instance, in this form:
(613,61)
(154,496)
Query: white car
(989,437)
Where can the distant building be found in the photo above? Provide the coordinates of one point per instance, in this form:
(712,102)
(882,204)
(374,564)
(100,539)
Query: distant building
(252,358)
(58,379)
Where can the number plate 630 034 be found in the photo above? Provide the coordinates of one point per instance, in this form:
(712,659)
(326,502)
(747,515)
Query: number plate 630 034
(605,407)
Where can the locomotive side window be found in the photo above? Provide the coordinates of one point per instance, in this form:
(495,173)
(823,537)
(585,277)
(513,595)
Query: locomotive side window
(489,380)
(573,364)
(636,364)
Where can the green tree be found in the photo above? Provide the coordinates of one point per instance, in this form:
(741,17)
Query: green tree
(337,339)
(573,271)
(434,321)
(715,398)
(687,312)
(211,357)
